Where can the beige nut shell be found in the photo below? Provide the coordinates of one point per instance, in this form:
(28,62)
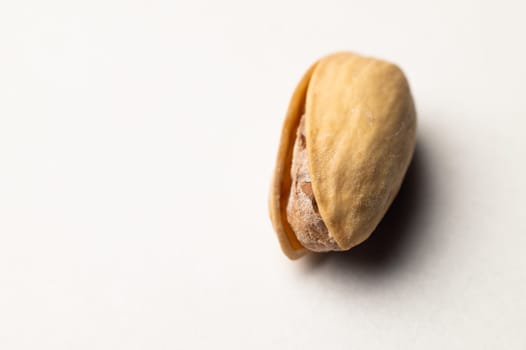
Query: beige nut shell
(360,125)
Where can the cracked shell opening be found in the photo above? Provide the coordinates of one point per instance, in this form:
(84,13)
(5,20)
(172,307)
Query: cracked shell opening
(302,209)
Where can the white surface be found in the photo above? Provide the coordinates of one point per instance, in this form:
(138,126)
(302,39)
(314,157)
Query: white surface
(137,142)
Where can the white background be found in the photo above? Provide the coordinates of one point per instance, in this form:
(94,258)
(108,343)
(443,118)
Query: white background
(137,143)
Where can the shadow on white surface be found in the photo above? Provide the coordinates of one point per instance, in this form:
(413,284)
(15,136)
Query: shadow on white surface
(395,238)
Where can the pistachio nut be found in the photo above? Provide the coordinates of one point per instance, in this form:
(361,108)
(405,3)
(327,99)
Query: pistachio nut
(347,141)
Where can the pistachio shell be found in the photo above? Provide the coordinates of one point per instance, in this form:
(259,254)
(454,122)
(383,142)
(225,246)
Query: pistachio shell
(360,135)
